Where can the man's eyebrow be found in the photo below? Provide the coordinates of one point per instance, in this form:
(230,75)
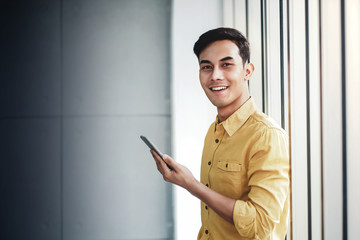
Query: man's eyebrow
(204,61)
(226,58)
(221,60)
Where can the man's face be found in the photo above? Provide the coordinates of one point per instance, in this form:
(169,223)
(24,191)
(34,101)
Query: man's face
(223,76)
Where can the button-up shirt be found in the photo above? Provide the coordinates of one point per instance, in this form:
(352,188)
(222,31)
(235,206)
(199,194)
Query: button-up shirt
(246,158)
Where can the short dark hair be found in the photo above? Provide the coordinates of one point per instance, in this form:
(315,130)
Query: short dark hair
(218,34)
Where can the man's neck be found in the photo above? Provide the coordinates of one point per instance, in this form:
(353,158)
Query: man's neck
(224,113)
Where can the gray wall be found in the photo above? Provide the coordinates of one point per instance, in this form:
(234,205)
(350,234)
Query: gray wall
(80,81)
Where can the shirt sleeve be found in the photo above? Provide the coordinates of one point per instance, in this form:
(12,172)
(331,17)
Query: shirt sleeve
(268,175)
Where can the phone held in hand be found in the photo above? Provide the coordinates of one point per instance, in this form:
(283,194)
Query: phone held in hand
(152,146)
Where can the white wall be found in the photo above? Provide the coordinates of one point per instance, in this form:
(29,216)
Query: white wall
(192,113)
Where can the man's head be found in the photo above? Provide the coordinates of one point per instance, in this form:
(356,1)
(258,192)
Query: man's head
(224,34)
(223,55)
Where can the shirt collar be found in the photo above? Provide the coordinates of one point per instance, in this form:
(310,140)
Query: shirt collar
(239,117)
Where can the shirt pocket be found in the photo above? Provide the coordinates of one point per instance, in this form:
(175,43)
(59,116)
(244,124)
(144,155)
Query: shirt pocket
(229,166)
(229,178)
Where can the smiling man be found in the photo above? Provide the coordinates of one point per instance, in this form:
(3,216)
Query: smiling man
(244,187)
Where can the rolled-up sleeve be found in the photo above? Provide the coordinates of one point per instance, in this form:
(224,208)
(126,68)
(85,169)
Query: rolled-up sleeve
(268,176)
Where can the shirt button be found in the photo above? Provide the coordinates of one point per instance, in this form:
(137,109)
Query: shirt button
(216,140)
(206,207)
(207,185)
(209,163)
(206,231)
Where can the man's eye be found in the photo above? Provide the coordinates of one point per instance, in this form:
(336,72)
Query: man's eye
(206,67)
(227,64)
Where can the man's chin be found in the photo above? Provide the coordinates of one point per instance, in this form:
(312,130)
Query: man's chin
(218,104)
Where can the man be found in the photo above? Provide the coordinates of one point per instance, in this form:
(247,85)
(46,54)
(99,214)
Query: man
(244,188)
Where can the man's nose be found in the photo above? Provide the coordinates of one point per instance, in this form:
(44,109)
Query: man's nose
(217,74)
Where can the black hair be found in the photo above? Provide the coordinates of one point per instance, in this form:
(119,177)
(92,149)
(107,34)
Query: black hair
(218,34)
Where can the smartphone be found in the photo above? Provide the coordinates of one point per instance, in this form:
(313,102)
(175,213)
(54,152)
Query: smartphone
(153,147)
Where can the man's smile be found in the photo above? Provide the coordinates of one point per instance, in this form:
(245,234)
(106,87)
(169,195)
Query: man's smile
(215,89)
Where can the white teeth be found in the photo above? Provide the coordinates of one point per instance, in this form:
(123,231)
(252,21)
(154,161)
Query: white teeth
(218,88)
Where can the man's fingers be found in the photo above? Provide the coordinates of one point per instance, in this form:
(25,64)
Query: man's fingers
(162,163)
(168,160)
(159,162)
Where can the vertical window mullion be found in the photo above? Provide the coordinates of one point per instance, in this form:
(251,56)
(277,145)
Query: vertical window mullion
(352,39)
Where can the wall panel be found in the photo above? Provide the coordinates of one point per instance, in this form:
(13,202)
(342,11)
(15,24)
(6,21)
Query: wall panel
(116,87)
(314,111)
(298,121)
(273,61)
(30,58)
(115,57)
(111,186)
(332,118)
(240,16)
(30,197)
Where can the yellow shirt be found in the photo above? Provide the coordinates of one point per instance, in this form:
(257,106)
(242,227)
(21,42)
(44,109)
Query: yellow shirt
(246,158)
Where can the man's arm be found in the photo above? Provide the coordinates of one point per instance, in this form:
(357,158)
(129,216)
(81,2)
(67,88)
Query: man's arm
(268,179)
(182,177)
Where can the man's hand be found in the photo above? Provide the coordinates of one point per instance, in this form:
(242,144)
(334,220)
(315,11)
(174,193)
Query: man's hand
(180,175)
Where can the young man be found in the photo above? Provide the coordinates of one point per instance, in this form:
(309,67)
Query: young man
(244,188)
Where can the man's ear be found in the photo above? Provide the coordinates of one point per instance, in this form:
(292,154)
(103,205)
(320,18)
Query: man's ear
(248,69)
